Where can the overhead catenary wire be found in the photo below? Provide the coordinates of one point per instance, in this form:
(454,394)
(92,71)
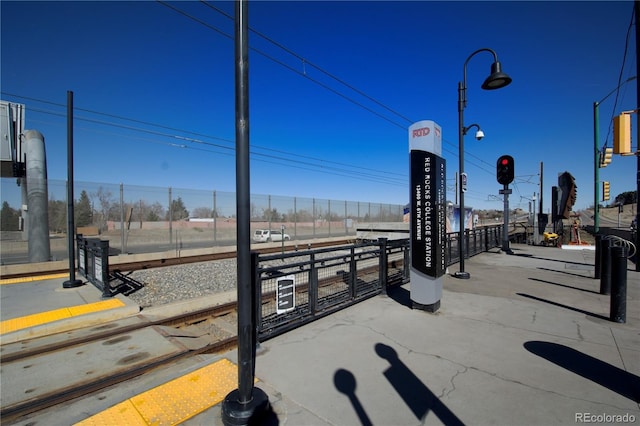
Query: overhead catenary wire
(620,83)
(304,74)
(400,182)
(397,178)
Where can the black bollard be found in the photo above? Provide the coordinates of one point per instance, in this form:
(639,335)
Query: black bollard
(596,273)
(618,258)
(605,267)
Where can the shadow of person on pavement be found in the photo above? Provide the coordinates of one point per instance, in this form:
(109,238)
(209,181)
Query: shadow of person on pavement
(345,382)
(415,394)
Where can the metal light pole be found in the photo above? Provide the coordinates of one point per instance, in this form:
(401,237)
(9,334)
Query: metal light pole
(248,403)
(72,281)
(496,80)
(596,156)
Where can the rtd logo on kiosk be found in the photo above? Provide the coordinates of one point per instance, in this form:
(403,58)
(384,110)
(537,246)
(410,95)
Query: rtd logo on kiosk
(427,224)
(424,131)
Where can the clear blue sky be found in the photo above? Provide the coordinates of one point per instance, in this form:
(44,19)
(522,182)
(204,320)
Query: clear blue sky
(146,62)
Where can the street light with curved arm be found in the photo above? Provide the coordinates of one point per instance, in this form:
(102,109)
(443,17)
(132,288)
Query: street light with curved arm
(479,132)
(496,80)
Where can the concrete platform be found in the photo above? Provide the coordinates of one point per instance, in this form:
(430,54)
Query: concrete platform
(18,300)
(526,340)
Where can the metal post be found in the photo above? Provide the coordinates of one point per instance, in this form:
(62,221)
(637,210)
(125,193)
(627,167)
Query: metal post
(605,267)
(256,287)
(596,272)
(461,242)
(535,222)
(215,217)
(636,6)
(540,208)
(313,284)
(596,169)
(246,404)
(382,266)
(123,245)
(72,282)
(170,219)
(618,258)
(353,272)
(329,215)
(102,271)
(505,225)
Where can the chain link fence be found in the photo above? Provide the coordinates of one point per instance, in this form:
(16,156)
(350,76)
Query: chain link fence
(140,219)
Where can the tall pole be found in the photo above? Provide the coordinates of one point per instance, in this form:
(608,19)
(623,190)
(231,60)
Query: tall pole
(462,87)
(596,155)
(505,191)
(540,206)
(72,282)
(247,403)
(245,333)
(636,5)
(496,80)
(596,168)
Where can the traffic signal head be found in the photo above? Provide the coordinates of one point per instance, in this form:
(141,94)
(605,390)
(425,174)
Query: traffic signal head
(605,157)
(622,134)
(606,191)
(505,170)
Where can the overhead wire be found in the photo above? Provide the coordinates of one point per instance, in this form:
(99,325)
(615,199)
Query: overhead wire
(400,179)
(305,75)
(624,58)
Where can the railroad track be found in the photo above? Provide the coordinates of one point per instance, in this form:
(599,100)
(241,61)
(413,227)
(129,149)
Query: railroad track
(194,328)
(152,260)
(206,331)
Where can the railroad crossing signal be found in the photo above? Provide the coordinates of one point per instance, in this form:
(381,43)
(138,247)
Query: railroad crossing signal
(505,169)
(605,157)
(605,191)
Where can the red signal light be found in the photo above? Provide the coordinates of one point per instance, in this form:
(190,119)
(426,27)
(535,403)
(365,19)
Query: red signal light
(504,169)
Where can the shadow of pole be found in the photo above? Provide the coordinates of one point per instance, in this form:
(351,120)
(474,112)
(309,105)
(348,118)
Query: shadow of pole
(571,308)
(600,372)
(415,394)
(345,382)
(564,285)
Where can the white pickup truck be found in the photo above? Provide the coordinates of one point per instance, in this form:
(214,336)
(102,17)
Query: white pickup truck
(265,235)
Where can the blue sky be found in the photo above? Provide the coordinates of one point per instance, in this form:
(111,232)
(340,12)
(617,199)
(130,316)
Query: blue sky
(135,66)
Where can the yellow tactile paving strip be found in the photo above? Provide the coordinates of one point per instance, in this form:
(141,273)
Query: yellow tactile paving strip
(20,323)
(173,402)
(33,278)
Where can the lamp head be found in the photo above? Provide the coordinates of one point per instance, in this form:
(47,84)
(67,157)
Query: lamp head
(497,79)
(479,134)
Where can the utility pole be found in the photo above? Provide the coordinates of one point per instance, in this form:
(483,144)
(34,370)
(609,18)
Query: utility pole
(636,5)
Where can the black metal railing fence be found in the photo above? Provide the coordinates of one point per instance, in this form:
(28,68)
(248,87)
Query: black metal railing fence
(295,288)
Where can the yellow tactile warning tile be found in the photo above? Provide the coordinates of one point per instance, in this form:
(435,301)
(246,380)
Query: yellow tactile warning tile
(20,323)
(33,278)
(173,402)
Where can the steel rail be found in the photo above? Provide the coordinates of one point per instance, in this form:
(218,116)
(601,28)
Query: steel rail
(44,269)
